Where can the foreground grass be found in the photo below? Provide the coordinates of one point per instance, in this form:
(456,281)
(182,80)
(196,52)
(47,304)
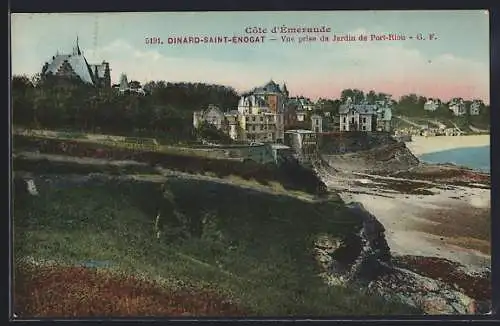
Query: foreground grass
(62,291)
(254,250)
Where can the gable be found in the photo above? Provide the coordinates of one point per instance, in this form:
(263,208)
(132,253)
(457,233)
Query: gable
(213,113)
(77,63)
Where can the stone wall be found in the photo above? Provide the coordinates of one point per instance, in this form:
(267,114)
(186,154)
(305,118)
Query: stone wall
(260,153)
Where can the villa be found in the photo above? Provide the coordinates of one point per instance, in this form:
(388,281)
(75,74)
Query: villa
(74,65)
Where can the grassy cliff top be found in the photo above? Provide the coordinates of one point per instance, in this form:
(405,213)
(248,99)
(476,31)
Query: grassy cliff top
(253,249)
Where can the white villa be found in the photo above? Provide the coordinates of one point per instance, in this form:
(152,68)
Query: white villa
(458,107)
(475,108)
(261,113)
(259,116)
(124,86)
(355,117)
(432,105)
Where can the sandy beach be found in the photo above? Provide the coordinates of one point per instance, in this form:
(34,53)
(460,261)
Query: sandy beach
(444,223)
(422,145)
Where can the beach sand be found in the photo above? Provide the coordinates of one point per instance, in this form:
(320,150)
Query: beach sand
(422,145)
(449,222)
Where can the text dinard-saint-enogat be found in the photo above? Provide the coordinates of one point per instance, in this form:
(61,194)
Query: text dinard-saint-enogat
(196,39)
(287,29)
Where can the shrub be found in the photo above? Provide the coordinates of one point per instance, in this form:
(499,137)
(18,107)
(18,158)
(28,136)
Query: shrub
(291,174)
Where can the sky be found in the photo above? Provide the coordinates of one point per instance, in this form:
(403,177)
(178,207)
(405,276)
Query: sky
(454,64)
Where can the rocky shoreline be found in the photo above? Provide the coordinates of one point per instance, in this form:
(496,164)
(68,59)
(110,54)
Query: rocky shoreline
(438,264)
(433,285)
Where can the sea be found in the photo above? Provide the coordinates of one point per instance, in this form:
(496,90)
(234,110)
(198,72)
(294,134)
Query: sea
(477,158)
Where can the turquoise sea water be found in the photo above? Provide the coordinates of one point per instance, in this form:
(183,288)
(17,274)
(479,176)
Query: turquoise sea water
(477,158)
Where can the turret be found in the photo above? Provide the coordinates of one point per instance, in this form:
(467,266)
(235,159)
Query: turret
(285,90)
(123,83)
(107,74)
(76,49)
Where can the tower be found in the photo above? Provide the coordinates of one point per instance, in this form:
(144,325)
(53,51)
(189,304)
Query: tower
(285,91)
(107,74)
(76,49)
(123,83)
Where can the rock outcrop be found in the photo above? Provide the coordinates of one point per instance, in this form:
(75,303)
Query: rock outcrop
(389,158)
(364,261)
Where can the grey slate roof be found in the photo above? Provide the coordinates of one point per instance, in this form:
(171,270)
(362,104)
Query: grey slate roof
(360,108)
(77,63)
(270,87)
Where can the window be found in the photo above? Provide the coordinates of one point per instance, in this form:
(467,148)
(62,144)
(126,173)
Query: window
(363,128)
(344,119)
(364,119)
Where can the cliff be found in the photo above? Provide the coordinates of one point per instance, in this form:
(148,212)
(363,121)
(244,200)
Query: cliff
(377,153)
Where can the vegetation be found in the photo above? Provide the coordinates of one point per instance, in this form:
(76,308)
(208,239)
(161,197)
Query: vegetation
(412,106)
(165,113)
(73,291)
(251,249)
(207,131)
(290,175)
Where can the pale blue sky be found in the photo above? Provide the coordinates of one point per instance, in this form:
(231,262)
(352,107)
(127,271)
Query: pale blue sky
(457,64)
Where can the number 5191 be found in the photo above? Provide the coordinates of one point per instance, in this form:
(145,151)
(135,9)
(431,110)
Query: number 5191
(152,40)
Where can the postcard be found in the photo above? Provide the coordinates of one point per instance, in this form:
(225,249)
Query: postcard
(250,164)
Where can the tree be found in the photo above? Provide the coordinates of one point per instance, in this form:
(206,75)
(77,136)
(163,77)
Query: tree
(21,83)
(22,100)
(209,132)
(421,102)
(329,105)
(408,105)
(384,97)
(134,84)
(443,112)
(355,94)
(371,97)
